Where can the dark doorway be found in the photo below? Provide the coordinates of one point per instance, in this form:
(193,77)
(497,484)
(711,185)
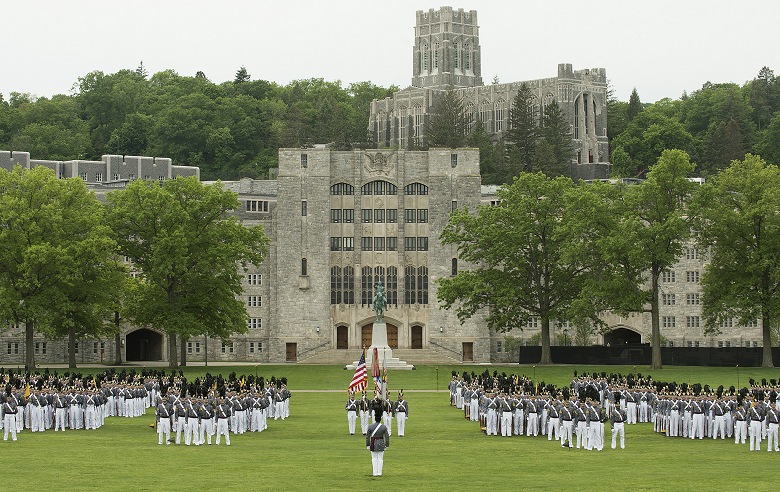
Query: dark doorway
(144,344)
(342,338)
(622,336)
(392,336)
(292,352)
(367,332)
(417,337)
(468,351)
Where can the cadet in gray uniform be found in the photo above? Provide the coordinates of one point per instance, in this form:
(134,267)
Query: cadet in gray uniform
(377,440)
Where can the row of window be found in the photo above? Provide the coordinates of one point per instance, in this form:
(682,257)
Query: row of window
(691,276)
(116,177)
(457,53)
(379,188)
(378,244)
(254,279)
(40,348)
(254,301)
(377,274)
(226,348)
(257,205)
(671,299)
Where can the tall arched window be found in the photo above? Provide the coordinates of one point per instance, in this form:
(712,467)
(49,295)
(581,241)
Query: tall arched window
(436,55)
(457,56)
(304,267)
(454,266)
(422,285)
(466,58)
(392,286)
(425,58)
(410,284)
(349,285)
(367,284)
(335,285)
(500,115)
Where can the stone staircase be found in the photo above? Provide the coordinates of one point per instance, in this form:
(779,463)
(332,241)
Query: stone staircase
(411,356)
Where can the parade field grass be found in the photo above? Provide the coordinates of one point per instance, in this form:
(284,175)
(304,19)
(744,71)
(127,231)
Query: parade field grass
(312,450)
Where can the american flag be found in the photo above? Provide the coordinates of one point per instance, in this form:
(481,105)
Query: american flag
(360,379)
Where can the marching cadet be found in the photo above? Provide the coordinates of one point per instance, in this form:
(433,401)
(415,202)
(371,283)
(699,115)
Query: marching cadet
(617,420)
(223,415)
(554,422)
(755,417)
(60,411)
(467,394)
(401,413)
(567,425)
(719,424)
(192,426)
(377,440)
(389,411)
(279,405)
(581,425)
(364,414)
(9,417)
(180,415)
(592,416)
(206,416)
(532,414)
(492,414)
(771,433)
(257,409)
(163,417)
(505,410)
(517,402)
(352,412)
(474,409)
(740,424)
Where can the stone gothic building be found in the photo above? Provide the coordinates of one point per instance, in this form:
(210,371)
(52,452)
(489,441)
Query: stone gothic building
(447,53)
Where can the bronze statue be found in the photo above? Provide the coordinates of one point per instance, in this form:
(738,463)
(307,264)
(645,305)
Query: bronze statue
(380,301)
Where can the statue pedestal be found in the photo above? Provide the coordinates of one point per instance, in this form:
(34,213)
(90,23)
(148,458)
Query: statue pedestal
(384,353)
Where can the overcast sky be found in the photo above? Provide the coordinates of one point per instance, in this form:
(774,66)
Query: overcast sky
(661,47)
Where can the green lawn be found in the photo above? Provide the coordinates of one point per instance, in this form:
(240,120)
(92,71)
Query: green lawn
(441,451)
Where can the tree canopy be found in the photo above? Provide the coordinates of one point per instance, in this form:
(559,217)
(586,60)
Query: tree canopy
(528,256)
(188,251)
(58,263)
(738,220)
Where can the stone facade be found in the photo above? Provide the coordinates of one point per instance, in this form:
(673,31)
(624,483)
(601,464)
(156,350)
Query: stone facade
(447,53)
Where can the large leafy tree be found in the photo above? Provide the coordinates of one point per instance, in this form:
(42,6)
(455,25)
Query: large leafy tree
(55,244)
(530,256)
(738,220)
(523,131)
(188,248)
(642,236)
(448,125)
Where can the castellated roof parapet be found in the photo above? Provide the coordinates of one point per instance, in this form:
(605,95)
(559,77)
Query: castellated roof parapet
(447,14)
(565,71)
(109,168)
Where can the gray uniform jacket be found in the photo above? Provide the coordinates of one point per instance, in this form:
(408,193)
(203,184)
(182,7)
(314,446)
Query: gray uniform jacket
(382,432)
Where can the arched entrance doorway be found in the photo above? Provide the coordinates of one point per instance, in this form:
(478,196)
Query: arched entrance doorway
(392,335)
(342,338)
(622,336)
(417,338)
(144,344)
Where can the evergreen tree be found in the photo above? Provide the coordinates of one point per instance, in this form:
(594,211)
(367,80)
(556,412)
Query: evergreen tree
(523,131)
(555,130)
(502,163)
(545,161)
(242,75)
(448,126)
(480,139)
(141,71)
(634,106)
